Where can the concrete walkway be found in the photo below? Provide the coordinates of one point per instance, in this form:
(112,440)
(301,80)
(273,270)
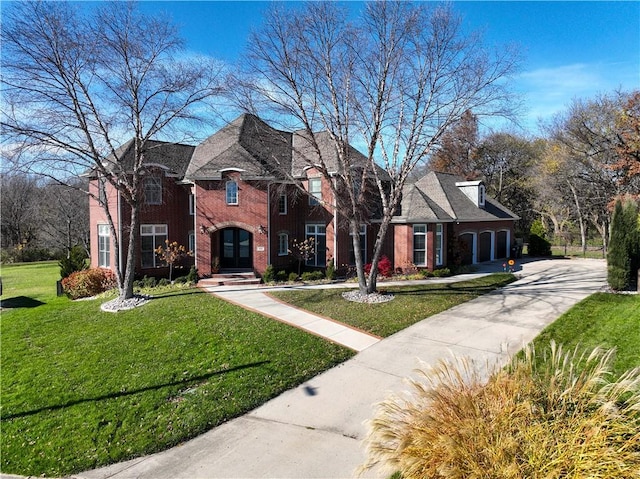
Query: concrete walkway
(316,430)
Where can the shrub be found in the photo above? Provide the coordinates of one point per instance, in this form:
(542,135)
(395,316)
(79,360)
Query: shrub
(164,282)
(293,277)
(312,276)
(538,244)
(385,269)
(559,415)
(192,277)
(149,282)
(442,272)
(77,261)
(88,282)
(281,275)
(269,274)
(331,270)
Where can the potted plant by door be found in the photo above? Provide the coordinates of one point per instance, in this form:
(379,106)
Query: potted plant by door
(215,265)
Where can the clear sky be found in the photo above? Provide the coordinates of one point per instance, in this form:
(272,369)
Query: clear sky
(571,49)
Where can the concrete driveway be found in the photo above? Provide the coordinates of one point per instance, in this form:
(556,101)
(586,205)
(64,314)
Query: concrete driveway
(316,430)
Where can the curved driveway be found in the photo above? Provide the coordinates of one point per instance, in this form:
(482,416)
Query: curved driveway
(316,429)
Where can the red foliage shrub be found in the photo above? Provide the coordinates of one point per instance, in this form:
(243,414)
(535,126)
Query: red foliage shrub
(88,282)
(385,268)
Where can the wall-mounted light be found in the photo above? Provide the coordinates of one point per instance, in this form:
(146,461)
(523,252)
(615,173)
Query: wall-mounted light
(262,230)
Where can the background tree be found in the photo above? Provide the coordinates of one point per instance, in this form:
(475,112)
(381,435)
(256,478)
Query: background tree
(628,148)
(20,213)
(456,153)
(583,143)
(390,82)
(506,161)
(77,84)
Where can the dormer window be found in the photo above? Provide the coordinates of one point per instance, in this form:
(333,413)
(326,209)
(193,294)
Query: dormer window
(474,190)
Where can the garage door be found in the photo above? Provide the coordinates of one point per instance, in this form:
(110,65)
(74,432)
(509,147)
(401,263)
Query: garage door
(484,244)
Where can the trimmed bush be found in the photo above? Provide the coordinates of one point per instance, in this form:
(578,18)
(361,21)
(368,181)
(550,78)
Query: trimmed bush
(281,275)
(559,415)
(442,272)
(88,282)
(293,277)
(192,277)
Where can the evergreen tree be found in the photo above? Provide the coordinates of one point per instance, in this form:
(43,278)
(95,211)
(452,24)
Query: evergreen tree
(623,259)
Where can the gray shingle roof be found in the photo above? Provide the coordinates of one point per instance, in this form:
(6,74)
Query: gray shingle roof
(435,197)
(247,144)
(173,157)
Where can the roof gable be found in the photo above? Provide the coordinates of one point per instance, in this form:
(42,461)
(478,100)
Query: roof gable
(247,144)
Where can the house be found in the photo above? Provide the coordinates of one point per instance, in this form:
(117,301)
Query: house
(228,201)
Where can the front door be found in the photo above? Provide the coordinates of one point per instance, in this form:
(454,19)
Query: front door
(235,249)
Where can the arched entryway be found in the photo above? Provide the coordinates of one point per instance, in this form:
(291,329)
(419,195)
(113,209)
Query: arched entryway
(235,249)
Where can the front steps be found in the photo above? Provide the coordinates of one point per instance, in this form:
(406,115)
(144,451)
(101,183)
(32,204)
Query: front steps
(230,279)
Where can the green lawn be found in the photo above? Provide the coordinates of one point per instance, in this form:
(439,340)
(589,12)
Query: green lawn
(82,388)
(602,319)
(410,305)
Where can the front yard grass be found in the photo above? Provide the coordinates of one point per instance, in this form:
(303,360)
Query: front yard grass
(412,303)
(602,319)
(82,388)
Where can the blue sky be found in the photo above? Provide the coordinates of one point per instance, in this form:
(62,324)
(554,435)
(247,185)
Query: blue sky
(571,49)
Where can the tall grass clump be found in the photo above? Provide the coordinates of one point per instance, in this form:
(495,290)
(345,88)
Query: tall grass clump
(550,416)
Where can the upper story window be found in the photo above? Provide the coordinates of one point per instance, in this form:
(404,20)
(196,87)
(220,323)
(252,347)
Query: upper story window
(282,204)
(481,195)
(152,186)
(102,190)
(315,191)
(232,192)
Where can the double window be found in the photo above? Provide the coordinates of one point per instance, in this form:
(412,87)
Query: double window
(319,234)
(104,246)
(151,236)
(152,186)
(315,191)
(232,192)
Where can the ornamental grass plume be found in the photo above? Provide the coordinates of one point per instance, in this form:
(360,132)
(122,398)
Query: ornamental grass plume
(559,415)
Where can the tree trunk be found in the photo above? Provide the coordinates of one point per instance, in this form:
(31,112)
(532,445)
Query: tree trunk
(126,289)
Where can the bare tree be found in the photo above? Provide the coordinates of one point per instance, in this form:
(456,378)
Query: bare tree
(78,83)
(390,82)
(20,205)
(458,148)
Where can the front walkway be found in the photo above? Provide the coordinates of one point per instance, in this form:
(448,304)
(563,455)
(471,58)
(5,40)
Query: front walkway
(257,298)
(317,429)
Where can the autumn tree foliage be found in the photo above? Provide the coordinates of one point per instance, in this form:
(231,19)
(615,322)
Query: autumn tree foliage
(457,149)
(628,147)
(172,254)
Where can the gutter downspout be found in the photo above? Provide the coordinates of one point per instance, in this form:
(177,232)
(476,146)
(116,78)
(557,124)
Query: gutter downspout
(268,223)
(119,202)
